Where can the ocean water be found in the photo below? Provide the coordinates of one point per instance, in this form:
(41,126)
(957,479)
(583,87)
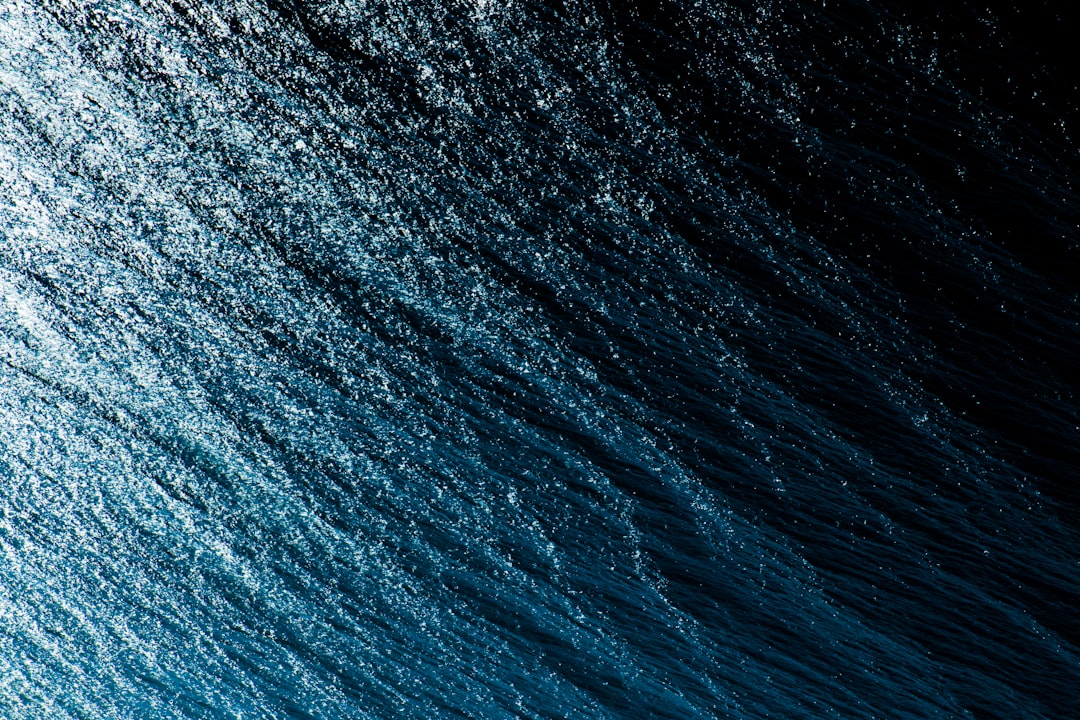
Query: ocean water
(506,359)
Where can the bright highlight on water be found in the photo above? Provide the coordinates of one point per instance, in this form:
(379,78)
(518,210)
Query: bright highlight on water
(520,360)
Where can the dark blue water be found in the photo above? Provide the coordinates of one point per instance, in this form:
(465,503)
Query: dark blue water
(518,360)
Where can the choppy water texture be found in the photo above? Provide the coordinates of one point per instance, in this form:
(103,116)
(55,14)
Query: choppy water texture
(508,360)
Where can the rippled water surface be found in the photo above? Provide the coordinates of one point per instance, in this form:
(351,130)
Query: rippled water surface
(518,360)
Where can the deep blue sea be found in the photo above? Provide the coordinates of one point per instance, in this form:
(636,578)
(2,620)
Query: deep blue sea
(518,359)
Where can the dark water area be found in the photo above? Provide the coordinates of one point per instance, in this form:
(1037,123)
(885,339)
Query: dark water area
(538,360)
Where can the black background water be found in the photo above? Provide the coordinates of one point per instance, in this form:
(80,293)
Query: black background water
(538,360)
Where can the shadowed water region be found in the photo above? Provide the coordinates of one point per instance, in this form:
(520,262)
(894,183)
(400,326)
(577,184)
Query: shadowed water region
(538,360)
